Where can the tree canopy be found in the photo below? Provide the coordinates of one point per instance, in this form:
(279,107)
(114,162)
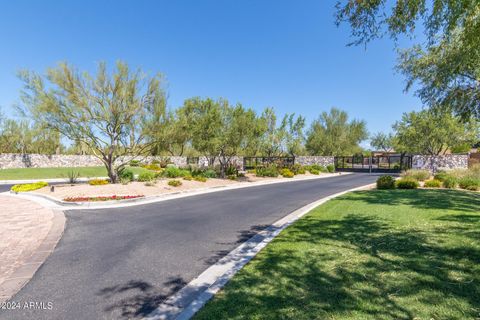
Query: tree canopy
(111,113)
(433,133)
(446,65)
(332,134)
(382,142)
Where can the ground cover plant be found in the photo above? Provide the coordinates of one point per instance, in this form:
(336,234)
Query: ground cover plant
(175,183)
(28,186)
(101,198)
(379,254)
(434,183)
(407,183)
(98,182)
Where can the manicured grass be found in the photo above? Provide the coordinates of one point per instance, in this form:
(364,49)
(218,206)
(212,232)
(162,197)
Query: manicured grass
(381,254)
(49,173)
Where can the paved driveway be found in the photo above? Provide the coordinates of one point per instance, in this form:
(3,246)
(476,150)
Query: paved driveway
(121,263)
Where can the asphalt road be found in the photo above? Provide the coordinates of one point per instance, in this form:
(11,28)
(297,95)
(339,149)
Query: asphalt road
(121,263)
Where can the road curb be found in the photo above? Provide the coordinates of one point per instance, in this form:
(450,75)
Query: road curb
(192,297)
(25,272)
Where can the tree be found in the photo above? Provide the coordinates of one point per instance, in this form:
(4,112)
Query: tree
(219,130)
(20,136)
(448,75)
(333,135)
(284,139)
(433,133)
(382,141)
(109,113)
(447,66)
(172,134)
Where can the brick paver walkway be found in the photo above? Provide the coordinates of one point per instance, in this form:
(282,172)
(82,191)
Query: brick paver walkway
(24,225)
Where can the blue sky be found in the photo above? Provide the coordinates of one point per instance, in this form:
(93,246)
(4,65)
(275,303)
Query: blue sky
(285,54)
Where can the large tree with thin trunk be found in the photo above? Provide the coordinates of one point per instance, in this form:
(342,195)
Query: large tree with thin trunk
(433,133)
(332,134)
(110,112)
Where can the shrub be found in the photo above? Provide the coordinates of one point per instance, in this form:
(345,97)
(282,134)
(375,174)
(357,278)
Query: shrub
(441,176)
(98,182)
(125,175)
(449,182)
(331,168)
(146,176)
(419,175)
(188,178)
(298,169)
(150,183)
(286,173)
(231,171)
(200,178)
(268,171)
(251,171)
(209,173)
(175,183)
(386,182)
(469,183)
(155,161)
(175,172)
(433,183)
(29,186)
(134,163)
(232,177)
(125,181)
(407,183)
(73,176)
(314,171)
(152,166)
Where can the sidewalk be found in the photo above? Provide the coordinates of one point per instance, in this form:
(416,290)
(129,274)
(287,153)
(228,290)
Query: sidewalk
(28,233)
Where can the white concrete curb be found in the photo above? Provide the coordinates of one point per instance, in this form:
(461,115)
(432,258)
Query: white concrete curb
(183,306)
(62,205)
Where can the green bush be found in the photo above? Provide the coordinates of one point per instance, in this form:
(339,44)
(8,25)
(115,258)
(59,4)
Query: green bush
(209,173)
(231,171)
(200,178)
(175,172)
(232,177)
(146,176)
(469,183)
(175,183)
(441,176)
(298,169)
(386,182)
(287,173)
(267,171)
(407,183)
(450,182)
(331,168)
(134,163)
(433,183)
(73,176)
(29,186)
(126,175)
(98,182)
(314,171)
(419,175)
(188,178)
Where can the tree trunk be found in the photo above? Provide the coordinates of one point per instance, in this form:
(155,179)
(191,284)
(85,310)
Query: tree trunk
(112,174)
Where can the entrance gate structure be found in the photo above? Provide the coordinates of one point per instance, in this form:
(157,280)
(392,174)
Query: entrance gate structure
(379,163)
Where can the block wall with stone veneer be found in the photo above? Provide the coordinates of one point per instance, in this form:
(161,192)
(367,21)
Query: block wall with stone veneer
(443,162)
(320,160)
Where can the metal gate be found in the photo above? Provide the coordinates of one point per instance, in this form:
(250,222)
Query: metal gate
(360,163)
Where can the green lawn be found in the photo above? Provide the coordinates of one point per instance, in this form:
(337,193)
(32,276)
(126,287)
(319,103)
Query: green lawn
(48,173)
(381,254)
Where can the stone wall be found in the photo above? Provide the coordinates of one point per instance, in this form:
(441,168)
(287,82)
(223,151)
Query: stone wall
(10,160)
(444,162)
(320,160)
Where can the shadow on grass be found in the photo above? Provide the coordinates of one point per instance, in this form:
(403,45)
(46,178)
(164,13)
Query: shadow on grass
(361,266)
(421,198)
